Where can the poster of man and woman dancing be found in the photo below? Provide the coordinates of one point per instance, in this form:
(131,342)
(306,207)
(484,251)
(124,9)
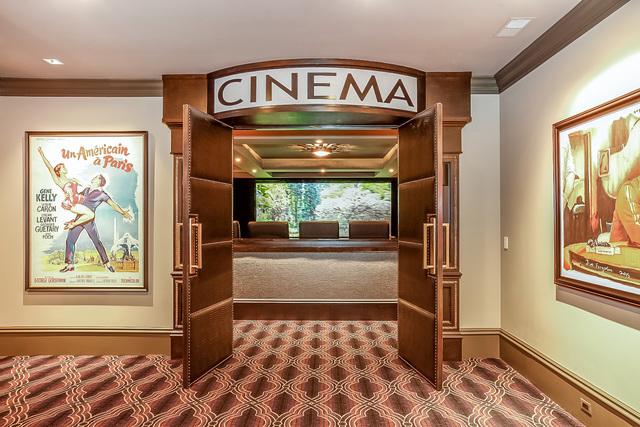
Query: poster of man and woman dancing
(86,225)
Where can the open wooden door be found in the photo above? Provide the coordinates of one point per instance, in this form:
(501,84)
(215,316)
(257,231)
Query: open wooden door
(207,240)
(420,241)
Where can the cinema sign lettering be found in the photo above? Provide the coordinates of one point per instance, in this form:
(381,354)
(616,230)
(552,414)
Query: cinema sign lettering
(317,85)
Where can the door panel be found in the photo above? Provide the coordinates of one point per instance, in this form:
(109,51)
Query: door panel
(421,162)
(217,267)
(207,243)
(410,228)
(419,351)
(411,276)
(205,195)
(210,339)
(420,242)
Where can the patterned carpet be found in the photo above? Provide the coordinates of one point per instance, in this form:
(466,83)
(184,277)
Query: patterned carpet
(282,374)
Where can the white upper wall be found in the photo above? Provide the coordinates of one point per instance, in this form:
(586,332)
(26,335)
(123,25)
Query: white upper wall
(480,215)
(84,309)
(599,66)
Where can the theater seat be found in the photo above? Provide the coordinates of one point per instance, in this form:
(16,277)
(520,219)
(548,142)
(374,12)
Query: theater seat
(368,229)
(319,230)
(269,229)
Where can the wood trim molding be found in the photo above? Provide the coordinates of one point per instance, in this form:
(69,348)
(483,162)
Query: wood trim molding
(31,341)
(534,369)
(562,385)
(10,86)
(314,310)
(583,17)
(484,86)
(65,330)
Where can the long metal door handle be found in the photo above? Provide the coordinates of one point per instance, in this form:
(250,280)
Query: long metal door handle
(429,246)
(195,246)
(447,247)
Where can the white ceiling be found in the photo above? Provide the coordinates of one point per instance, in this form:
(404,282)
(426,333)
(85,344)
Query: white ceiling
(148,38)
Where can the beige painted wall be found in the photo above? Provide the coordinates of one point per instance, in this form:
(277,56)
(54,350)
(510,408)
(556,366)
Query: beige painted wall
(82,310)
(480,215)
(479,181)
(601,65)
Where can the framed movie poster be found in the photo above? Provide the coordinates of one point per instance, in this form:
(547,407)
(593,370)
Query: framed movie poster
(86,209)
(597,200)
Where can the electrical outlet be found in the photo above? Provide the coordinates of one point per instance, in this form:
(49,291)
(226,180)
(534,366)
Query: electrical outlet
(585,406)
(505,243)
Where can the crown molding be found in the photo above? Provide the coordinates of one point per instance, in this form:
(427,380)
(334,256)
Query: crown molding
(582,18)
(10,86)
(485,85)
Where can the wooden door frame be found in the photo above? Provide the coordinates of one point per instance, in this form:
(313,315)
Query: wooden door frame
(452,89)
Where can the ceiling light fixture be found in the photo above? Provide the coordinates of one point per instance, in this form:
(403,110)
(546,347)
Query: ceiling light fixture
(323,170)
(254,170)
(513,27)
(391,170)
(53,61)
(318,141)
(518,23)
(322,149)
(238,159)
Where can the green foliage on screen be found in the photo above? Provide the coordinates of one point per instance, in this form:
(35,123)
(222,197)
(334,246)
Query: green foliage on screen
(308,201)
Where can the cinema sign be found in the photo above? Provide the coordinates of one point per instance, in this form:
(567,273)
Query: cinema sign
(316,92)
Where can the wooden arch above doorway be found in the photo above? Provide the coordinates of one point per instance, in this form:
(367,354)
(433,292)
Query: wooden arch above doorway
(315,92)
(451,89)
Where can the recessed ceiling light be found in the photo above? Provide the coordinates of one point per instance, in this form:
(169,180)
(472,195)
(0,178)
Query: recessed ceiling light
(318,141)
(513,27)
(518,23)
(238,159)
(323,170)
(53,61)
(391,170)
(254,170)
(321,152)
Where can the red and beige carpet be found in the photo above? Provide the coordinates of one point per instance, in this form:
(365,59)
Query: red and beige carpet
(281,374)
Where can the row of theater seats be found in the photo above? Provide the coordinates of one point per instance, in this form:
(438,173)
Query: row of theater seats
(315,230)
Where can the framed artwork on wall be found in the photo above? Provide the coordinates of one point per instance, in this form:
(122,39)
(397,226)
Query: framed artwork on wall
(597,200)
(86,211)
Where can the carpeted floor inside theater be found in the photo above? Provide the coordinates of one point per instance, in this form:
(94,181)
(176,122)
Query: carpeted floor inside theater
(282,373)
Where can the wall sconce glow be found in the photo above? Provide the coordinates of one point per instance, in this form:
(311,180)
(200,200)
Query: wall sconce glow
(53,61)
(608,84)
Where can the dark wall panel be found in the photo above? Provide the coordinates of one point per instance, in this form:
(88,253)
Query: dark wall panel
(244,203)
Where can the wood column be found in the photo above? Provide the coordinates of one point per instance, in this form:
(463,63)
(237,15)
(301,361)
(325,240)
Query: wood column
(453,90)
(177,90)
